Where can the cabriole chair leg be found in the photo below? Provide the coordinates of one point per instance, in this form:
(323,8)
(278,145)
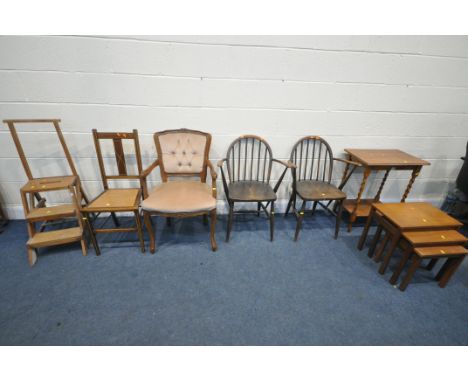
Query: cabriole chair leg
(214,246)
(151,232)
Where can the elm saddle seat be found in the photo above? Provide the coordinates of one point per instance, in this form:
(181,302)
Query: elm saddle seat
(254,191)
(318,190)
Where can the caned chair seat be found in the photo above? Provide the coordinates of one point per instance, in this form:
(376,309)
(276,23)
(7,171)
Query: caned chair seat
(251,191)
(317,190)
(117,199)
(180,197)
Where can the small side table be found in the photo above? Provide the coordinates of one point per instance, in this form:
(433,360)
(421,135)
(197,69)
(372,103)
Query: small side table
(377,160)
(404,217)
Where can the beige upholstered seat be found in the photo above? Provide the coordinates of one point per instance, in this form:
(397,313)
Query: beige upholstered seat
(180,197)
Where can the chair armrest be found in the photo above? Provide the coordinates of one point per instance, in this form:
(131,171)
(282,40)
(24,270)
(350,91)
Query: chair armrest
(287,164)
(213,173)
(348,162)
(221,162)
(144,174)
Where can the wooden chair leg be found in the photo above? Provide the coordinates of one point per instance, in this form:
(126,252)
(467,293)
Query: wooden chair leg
(299,220)
(401,265)
(453,266)
(139,231)
(314,206)
(381,247)
(338,218)
(388,256)
(92,235)
(115,220)
(84,247)
(272,221)
(289,204)
(151,232)
(32,256)
(229,225)
(214,246)
(430,266)
(375,240)
(258,208)
(409,275)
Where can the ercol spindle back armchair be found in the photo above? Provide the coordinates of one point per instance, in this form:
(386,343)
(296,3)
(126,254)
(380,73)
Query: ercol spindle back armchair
(312,175)
(249,162)
(182,156)
(116,200)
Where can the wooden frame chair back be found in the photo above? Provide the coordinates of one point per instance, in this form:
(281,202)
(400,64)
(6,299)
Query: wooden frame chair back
(56,122)
(180,150)
(249,158)
(117,139)
(313,157)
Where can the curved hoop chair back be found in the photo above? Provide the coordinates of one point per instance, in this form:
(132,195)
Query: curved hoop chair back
(182,152)
(314,159)
(249,158)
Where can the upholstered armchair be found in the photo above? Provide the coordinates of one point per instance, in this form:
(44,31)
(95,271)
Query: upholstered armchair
(183,162)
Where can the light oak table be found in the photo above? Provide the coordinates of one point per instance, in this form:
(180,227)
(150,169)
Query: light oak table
(405,217)
(377,160)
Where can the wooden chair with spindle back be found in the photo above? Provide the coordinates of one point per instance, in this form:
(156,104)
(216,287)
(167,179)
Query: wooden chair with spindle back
(249,161)
(312,177)
(117,200)
(183,155)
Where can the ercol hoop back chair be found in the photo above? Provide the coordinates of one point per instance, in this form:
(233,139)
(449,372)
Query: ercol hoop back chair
(34,203)
(116,200)
(312,177)
(182,156)
(249,161)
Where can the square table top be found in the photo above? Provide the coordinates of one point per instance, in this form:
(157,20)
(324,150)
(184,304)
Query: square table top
(419,215)
(385,157)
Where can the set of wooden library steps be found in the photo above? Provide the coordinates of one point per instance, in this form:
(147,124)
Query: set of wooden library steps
(34,203)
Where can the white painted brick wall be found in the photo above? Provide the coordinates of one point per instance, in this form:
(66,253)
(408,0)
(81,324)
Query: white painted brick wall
(406,92)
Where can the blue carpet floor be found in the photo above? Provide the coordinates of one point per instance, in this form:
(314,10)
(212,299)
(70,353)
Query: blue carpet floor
(318,291)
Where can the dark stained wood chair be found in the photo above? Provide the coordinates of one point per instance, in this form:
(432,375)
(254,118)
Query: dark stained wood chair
(249,163)
(312,175)
(182,154)
(116,200)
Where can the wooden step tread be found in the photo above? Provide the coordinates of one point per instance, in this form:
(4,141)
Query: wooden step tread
(60,236)
(51,213)
(442,251)
(51,183)
(444,237)
(363,209)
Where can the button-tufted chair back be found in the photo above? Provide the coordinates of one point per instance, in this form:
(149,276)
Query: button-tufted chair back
(183,152)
